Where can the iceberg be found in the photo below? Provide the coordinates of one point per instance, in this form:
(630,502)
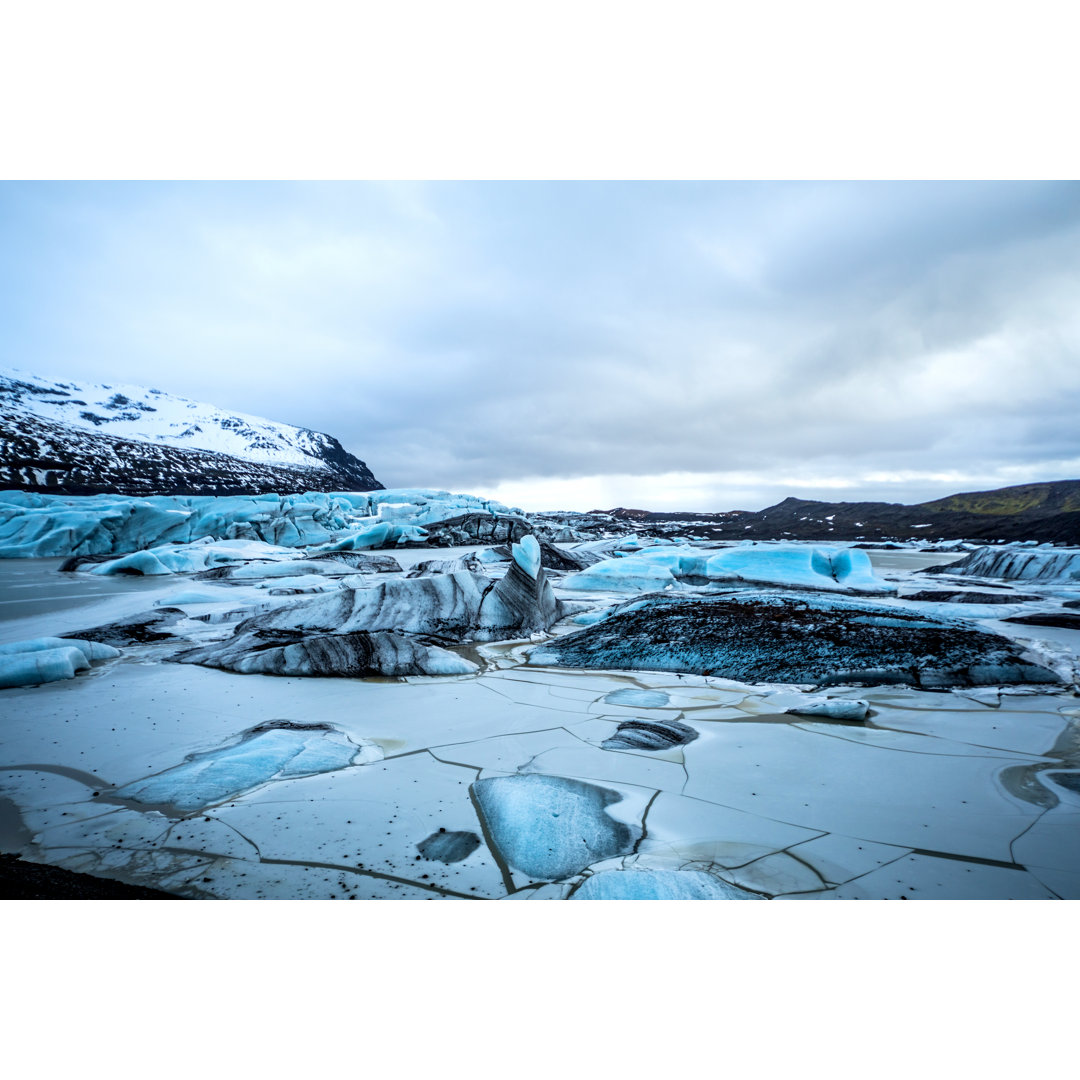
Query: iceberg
(629,575)
(842,570)
(649,735)
(458,606)
(833,708)
(1017,563)
(767,637)
(43,660)
(360,631)
(200,555)
(353,655)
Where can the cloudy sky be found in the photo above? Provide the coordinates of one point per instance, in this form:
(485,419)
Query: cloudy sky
(699,346)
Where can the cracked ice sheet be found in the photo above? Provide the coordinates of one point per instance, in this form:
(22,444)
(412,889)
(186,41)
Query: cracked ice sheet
(776,875)
(838,859)
(137,719)
(946,803)
(505,753)
(115,829)
(1050,849)
(684,691)
(372,818)
(926,877)
(887,738)
(41,791)
(558,753)
(1031,726)
(696,830)
(233,879)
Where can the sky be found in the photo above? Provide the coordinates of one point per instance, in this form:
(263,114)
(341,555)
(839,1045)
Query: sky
(694,346)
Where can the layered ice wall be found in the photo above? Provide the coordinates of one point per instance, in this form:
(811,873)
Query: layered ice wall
(44,526)
(1020,564)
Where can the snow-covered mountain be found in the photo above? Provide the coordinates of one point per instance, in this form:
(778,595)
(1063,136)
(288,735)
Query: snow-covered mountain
(82,438)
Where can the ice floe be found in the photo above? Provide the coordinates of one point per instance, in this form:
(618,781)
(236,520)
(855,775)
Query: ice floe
(550,827)
(278,749)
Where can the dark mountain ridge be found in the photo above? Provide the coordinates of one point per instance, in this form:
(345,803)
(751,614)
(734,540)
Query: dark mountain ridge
(1047,512)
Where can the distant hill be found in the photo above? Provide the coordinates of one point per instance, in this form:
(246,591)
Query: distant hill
(83,438)
(1047,512)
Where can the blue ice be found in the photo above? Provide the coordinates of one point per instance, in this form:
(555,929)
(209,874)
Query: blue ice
(638,699)
(551,827)
(658,885)
(43,660)
(276,753)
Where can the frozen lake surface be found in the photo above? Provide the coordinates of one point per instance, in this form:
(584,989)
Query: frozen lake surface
(522,781)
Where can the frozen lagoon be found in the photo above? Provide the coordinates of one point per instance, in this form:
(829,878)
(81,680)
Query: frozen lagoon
(938,795)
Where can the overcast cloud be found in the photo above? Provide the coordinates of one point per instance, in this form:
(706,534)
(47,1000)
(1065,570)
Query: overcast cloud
(693,346)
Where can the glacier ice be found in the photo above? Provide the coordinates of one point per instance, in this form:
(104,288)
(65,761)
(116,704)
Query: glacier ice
(92,650)
(629,575)
(638,699)
(1017,563)
(448,847)
(658,885)
(649,735)
(42,660)
(551,827)
(458,606)
(350,655)
(43,526)
(834,708)
(762,637)
(277,750)
(200,555)
(365,631)
(48,665)
(527,555)
(843,570)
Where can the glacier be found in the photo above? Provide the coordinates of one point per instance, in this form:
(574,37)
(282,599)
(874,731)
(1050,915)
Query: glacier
(44,526)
